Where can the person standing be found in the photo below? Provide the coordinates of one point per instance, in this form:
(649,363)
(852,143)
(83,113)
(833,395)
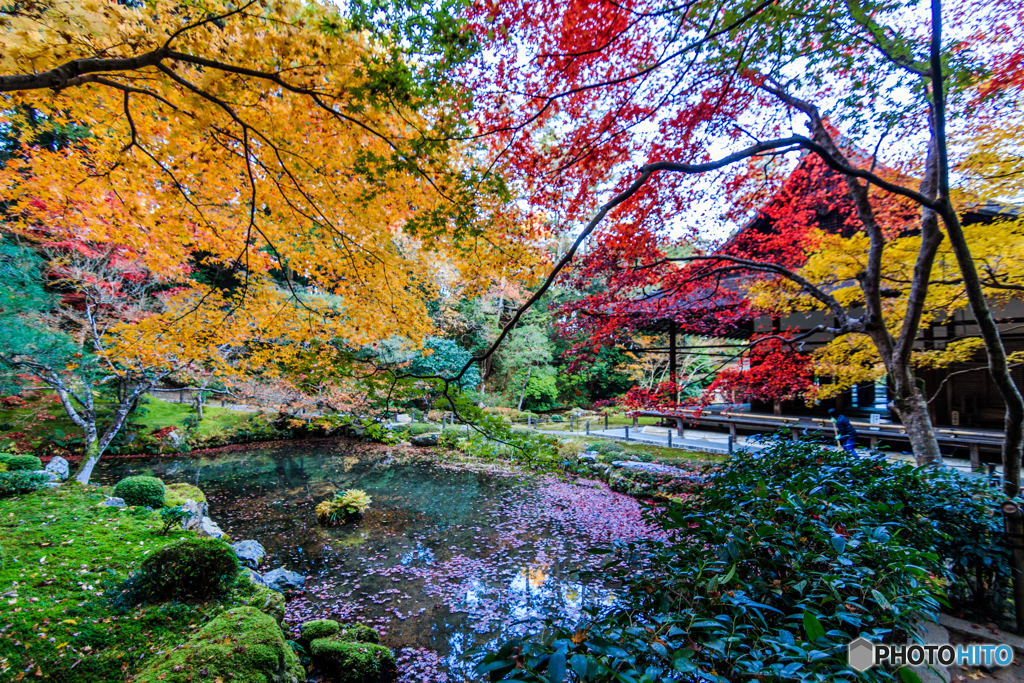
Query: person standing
(846,435)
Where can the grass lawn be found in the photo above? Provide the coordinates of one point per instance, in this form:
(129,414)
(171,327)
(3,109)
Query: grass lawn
(60,551)
(42,418)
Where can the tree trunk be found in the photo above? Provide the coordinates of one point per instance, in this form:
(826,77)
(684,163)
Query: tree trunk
(912,409)
(199,406)
(522,394)
(89,460)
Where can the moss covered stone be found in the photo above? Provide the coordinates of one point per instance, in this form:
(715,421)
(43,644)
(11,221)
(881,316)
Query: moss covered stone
(353,662)
(177,494)
(318,628)
(358,633)
(144,491)
(265,600)
(242,645)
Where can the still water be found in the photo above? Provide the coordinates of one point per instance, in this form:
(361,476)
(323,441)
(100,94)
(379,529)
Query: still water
(443,561)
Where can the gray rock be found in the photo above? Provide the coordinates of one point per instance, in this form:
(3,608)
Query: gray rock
(424,440)
(210,528)
(115,503)
(586,457)
(249,553)
(196,514)
(175,439)
(59,466)
(255,577)
(281,578)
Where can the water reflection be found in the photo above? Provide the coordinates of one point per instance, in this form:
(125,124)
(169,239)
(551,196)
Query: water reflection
(442,561)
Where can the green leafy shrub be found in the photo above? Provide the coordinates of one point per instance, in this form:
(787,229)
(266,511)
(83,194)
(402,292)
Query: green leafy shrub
(191,569)
(420,428)
(788,554)
(242,644)
(140,490)
(20,462)
(21,481)
(606,447)
(178,494)
(3,467)
(172,517)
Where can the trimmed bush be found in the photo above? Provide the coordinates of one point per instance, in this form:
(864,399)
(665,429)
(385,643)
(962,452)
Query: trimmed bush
(21,481)
(20,462)
(194,569)
(177,494)
(419,428)
(144,491)
(242,645)
(606,447)
(353,662)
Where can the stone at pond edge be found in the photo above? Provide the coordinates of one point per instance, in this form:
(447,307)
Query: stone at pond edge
(196,514)
(115,502)
(59,466)
(255,577)
(316,629)
(249,553)
(281,578)
(353,662)
(267,601)
(242,644)
(424,440)
(208,527)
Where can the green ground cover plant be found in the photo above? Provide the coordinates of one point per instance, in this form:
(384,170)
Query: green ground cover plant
(785,556)
(71,611)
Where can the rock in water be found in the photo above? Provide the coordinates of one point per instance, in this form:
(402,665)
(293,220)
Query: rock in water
(210,528)
(196,515)
(59,466)
(424,440)
(115,503)
(281,578)
(249,553)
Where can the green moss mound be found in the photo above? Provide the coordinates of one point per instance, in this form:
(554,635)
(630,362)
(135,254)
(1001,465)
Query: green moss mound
(242,645)
(360,633)
(144,491)
(267,601)
(20,462)
(420,428)
(318,628)
(353,662)
(177,494)
(21,481)
(193,569)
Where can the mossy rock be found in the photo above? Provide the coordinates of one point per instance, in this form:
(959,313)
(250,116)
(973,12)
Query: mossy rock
(265,600)
(242,645)
(358,633)
(606,447)
(143,491)
(352,661)
(20,462)
(318,628)
(177,494)
(194,568)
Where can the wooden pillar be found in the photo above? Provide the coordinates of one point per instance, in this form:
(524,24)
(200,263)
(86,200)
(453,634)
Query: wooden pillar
(672,350)
(679,426)
(975,456)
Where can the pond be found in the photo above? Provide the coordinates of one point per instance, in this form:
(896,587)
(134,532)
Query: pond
(443,561)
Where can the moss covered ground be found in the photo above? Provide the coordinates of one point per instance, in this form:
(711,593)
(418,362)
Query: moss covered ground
(61,550)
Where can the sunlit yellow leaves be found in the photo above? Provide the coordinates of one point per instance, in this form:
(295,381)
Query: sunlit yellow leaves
(303,195)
